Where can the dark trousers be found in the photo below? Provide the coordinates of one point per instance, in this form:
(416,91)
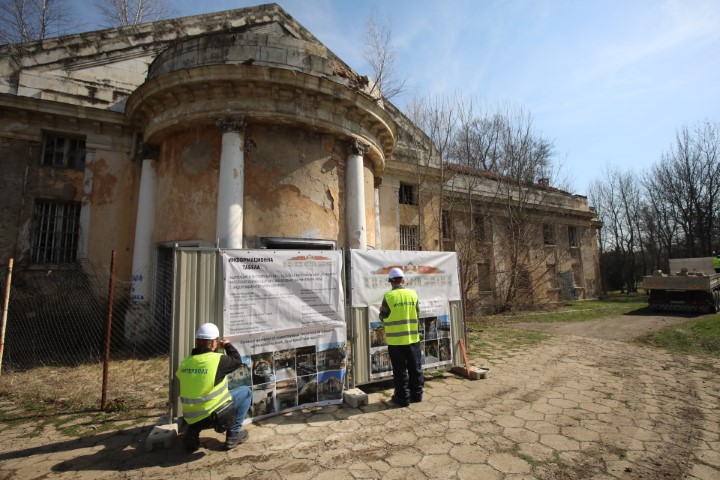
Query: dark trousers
(407,372)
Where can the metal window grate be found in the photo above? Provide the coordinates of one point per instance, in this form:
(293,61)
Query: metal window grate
(408,238)
(56,229)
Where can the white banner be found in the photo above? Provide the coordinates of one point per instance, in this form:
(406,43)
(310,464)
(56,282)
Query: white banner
(433,275)
(284,311)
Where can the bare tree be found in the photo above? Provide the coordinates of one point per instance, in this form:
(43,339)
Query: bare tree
(684,189)
(381,56)
(437,117)
(121,13)
(28,20)
(494,183)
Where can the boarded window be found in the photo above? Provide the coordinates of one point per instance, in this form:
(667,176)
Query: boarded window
(407,194)
(548,234)
(479,229)
(523,279)
(63,152)
(484,281)
(56,229)
(408,237)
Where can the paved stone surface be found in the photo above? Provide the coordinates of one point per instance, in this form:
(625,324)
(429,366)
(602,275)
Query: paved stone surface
(569,408)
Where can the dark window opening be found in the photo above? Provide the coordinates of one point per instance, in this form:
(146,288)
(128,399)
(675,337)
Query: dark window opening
(573,237)
(63,152)
(407,194)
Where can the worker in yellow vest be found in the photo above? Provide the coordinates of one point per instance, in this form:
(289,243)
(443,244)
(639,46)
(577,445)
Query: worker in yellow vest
(716,262)
(204,388)
(399,313)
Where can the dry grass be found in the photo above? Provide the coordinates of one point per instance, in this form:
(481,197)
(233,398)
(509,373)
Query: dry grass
(52,394)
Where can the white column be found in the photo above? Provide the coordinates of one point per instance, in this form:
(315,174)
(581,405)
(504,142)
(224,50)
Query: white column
(355,196)
(139,319)
(144,225)
(229,227)
(378,235)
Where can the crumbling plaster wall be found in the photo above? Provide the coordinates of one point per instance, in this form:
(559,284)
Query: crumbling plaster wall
(187,173)
(112,201)
(109,193)
(294,185)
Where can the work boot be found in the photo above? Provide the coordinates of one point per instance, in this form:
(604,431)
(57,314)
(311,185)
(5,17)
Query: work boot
(396,402)
(232,440)
(191,441)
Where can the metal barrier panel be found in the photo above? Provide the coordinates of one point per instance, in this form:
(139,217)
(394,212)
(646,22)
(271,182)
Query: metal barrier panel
(198,292)
(457,331)
(360,346)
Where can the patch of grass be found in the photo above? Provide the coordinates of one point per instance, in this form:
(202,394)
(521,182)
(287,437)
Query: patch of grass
(577,311)
(698,337)
(69,397)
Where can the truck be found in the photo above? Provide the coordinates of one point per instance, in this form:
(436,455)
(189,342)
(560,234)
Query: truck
(691,285)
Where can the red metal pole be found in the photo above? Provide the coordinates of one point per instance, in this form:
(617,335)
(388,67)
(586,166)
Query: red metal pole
(109,330)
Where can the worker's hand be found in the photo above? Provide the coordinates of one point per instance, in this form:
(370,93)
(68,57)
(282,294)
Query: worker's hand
(223,341)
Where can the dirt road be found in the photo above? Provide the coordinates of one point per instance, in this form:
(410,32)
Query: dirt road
(575,406)
(622,327)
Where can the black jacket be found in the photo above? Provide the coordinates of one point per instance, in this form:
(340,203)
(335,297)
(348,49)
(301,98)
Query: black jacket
(229,362)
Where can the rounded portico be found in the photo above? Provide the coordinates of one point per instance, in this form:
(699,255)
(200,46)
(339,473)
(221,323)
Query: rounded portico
(261,135)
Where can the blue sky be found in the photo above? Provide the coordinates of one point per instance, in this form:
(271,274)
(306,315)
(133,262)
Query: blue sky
(609,82)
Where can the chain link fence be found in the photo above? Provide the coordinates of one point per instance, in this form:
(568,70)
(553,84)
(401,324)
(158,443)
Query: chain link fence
(56,339)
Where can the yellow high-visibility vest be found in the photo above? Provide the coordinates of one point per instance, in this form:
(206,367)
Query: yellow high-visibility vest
(401,326)
(199,396)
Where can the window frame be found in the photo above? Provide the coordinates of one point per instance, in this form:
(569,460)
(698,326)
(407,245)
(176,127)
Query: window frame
(63,151)
(407,194)
(446,225)
(573,236)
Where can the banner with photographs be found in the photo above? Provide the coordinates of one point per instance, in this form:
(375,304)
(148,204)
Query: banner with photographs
(433,275)
(285,313)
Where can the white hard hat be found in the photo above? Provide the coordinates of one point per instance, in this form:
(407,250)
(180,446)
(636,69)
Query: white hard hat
(396,273)
(208,331)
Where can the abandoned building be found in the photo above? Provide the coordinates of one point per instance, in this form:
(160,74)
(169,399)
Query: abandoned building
(239,129)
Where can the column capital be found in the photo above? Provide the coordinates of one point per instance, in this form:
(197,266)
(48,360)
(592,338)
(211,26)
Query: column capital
(358,147)
(149,151)
(231,124)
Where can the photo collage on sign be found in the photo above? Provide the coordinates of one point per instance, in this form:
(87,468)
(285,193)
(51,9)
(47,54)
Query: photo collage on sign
(285,379)
(434,338)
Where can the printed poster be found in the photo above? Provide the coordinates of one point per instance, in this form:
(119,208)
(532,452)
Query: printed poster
(433,275)
(284,311)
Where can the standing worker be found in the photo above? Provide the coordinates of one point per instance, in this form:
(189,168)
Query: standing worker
(204,387)
(399,313)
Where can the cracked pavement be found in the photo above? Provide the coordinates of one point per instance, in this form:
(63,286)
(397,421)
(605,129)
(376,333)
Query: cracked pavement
(568,407)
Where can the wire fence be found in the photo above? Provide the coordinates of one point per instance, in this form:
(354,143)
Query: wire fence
(57,326)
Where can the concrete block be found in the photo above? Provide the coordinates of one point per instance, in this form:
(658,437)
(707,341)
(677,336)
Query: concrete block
(162,432)
(475,373)
(355,397)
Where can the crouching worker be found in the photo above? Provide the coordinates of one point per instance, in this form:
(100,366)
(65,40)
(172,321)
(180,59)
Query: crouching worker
(204,395)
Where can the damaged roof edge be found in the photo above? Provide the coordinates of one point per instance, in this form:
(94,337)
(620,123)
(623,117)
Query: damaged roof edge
(83,47)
